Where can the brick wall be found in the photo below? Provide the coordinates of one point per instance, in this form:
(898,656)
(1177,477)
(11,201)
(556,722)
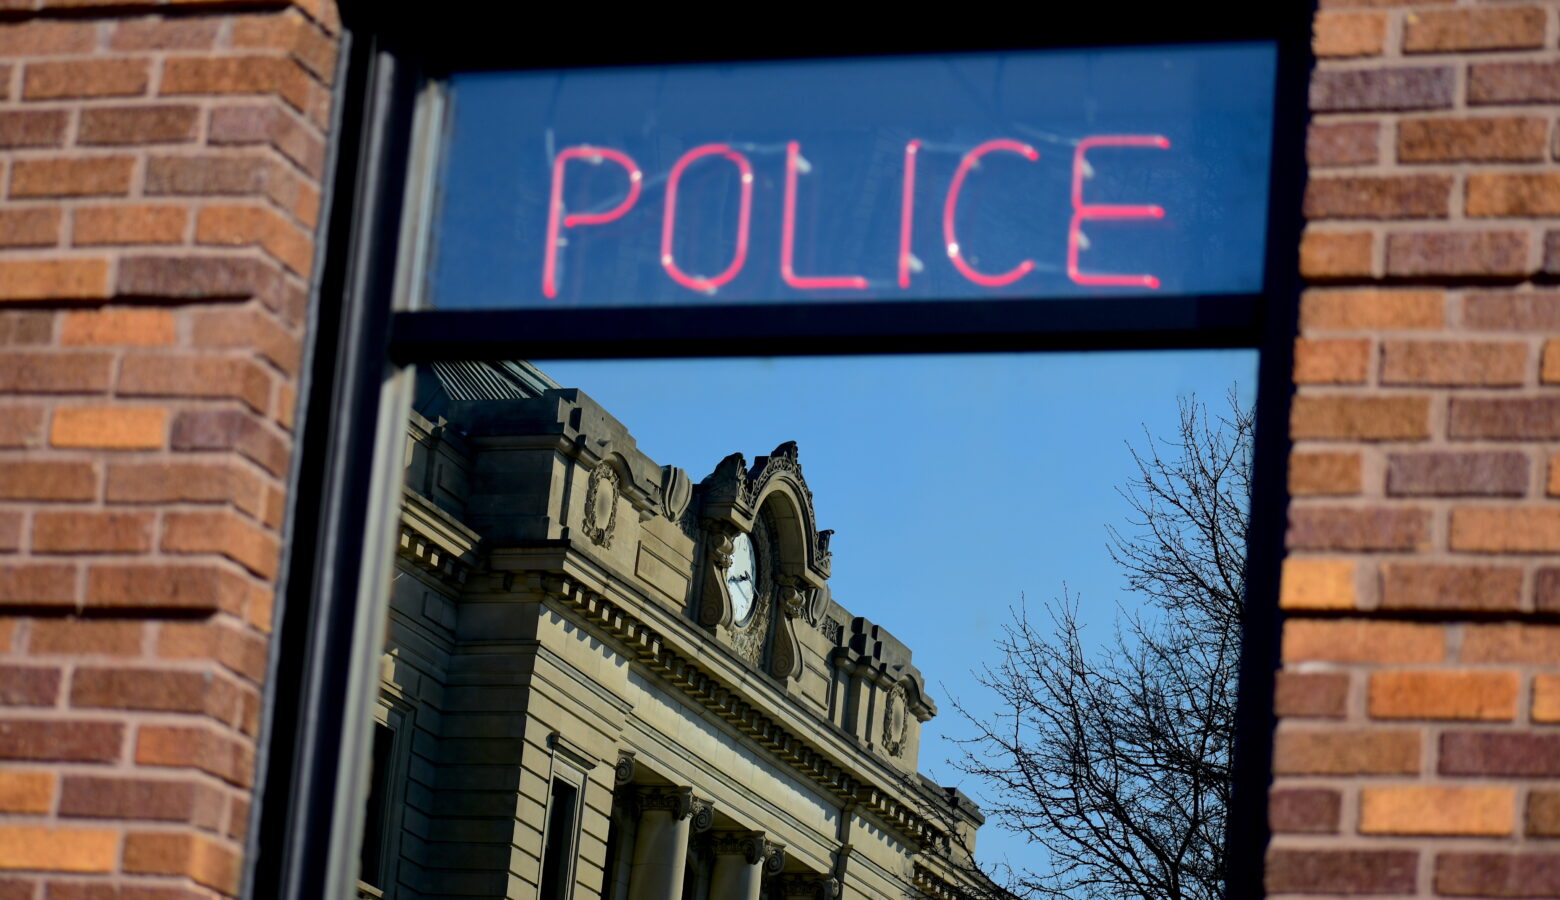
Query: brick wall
(1419,747)
(160,167)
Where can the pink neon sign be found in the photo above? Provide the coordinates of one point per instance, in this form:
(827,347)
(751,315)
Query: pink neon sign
(906,262)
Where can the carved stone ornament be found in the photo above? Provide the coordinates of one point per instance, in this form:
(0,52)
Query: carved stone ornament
(809,887)
(752,845)
(677,801)
(623,772)
(895,721)
(703,815)
(714,604)
(676,492)
(601,496)
(774,859)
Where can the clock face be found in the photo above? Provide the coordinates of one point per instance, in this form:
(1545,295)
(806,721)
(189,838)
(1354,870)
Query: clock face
(742,579)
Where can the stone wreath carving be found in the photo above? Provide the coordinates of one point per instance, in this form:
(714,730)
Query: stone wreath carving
(895,724)
(601,505)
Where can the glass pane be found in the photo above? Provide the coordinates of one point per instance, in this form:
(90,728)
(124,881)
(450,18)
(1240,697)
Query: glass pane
(1039,173)
(757,659)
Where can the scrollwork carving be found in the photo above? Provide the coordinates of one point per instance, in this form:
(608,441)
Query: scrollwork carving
(774,859)
(703,815)
(601,495)
(677,801)
(623,772)
(895,721)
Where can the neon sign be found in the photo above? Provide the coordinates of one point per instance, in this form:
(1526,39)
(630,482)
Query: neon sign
(1057,173)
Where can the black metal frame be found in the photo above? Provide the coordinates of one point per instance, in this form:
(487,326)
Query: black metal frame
(389,48)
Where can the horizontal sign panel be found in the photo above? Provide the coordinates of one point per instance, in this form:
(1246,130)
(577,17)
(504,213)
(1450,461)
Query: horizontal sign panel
(1115,172)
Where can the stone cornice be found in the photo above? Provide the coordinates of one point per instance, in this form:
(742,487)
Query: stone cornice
(641,641)
(433,541)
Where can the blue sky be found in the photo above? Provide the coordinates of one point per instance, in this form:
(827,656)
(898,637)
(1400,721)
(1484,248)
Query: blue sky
(956,484)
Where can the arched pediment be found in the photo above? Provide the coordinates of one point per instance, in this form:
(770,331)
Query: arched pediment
(737,493)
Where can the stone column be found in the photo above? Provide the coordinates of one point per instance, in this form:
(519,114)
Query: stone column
(666,818)
(741,859)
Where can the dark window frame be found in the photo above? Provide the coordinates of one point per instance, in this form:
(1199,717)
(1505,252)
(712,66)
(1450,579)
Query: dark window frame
(356,342)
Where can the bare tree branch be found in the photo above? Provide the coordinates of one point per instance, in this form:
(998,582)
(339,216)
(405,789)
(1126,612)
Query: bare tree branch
(1117,760)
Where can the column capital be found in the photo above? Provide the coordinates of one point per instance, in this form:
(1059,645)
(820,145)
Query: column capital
(753,846)
(808,887)
(681,803)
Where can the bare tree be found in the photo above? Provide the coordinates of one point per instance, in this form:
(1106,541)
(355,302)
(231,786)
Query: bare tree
(1116,759)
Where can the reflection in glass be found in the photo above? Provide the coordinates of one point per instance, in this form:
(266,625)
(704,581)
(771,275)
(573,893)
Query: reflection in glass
(587,701)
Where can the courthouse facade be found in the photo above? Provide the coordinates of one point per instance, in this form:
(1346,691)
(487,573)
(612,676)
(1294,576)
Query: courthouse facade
(605,679)
(176,225)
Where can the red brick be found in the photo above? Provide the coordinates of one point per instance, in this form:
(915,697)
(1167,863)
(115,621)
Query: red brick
(51,849)
(29,227)
(198,748)
(270,125)
(1497,194)
(208,175)
(1506,530)
(224,533)
(1304,810)
(1488,139)
(1437,809)
(86,78)
(1458,254)
(1501,28)
(1454,363)
(1512,311)
(54,279)
(238,226)
(231,430)
(1514,82)
(1398,88)
(1360,418)
(1305,695)
(192,588)
(1348,528)
(86,637)
(26,328)
(1313,871)
(1355,310)
(175,482)
(1420,586)
(165,34)
(1511,643)
(237,75)
(11,527)
(46,37)
(1311,583)
(1444,694)
(1497,874)
(47,480)
(240,650)
(1490,474)
(153,689)
(62,741)
(26,792)
(1331,361)
(91,176)
(1517,418)
(196,856)
(1338,751)
(32,128)
(53,373)
(1546,590)
(92,532)
(1349,34)
(32,584)
(141,798)
(1326,255)
(109,428)
(29,685)
(1379,197)
(1354,641)
(118,327)
(1343,144)
(162,124)
(292,33)
(248,329)
(192,278)
(195,376)
(1543,814)
(1325,474)
(1511,754)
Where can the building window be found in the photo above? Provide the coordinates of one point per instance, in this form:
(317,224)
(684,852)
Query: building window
(558,843)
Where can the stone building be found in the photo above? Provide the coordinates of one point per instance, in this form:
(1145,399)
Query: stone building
(171,326)
(603,674)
